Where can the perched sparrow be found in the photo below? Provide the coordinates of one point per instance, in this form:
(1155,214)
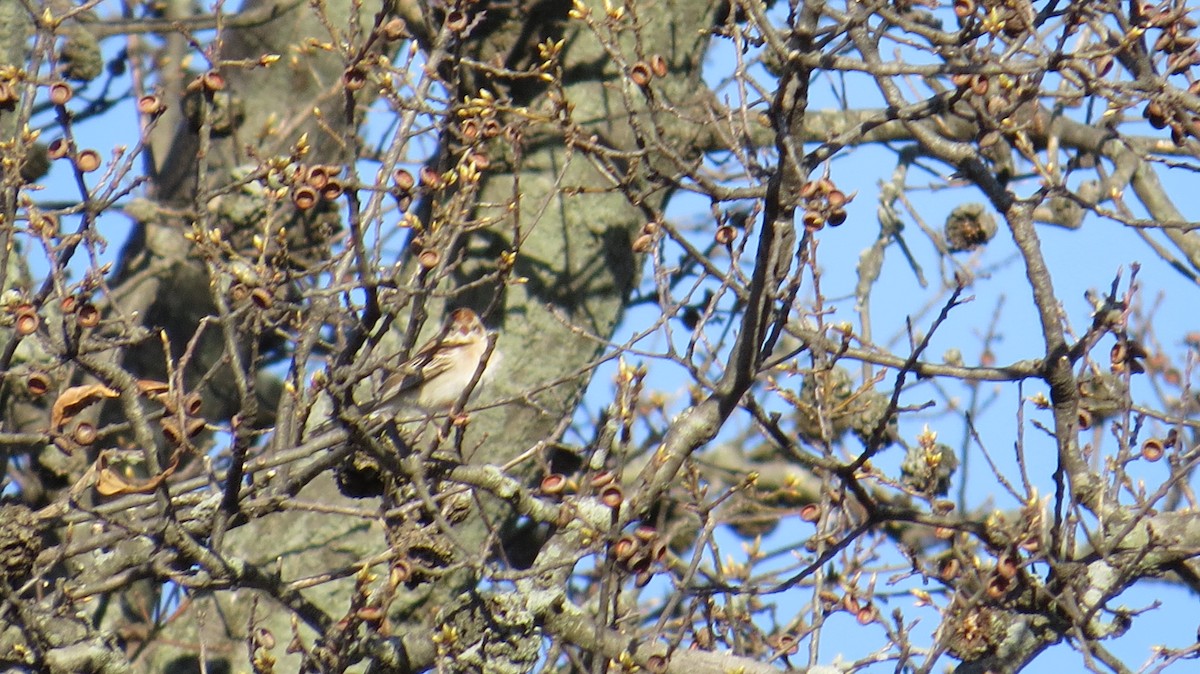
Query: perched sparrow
(436,377)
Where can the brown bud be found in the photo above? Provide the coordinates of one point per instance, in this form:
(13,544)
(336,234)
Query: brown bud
(87,315)
(304,197)
(151,105)
(354,79)
(60,93)
(87,161)
(640,73)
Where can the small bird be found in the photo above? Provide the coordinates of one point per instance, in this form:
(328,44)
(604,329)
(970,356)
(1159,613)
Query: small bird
(438,374)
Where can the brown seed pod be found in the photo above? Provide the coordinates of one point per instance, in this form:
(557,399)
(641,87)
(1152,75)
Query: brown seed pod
(943,533)
(87,315)
(964,8)
(456,21)
(192,403)
(87,161)
(602,479)
(961,80)
(949,568)
(317,177)
(1084,420)
(625,547)
(403,179)
(979,85)
(394,29)
(195,427)
(38,384)
(481,161)
(656,664)
(429,258)
(265,638)
(825,186)
(612,496)
(84,434)
(639,562)
(27,323)
(354,79)
(401,571)
(58,148)
(238,292)
(1155,114)
(1152,449)
(262,298)
(640,73)
(643,579)
(60,93)
(808,190)
(491,129)
(837,217)
(867,614)
(998,586)
(725,235)
(304,197)
(431,178)
(645,533)
(170,431)
(554,484)
(813,220)
(1007,566)
(811,512)
(332,191)
(151,105)
(212,81)
(659,65)
(370,614)
(837,199)
(643,243)
(7,96)
(469,129)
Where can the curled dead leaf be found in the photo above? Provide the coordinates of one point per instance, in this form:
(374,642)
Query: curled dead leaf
(73,400)
(110,482)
